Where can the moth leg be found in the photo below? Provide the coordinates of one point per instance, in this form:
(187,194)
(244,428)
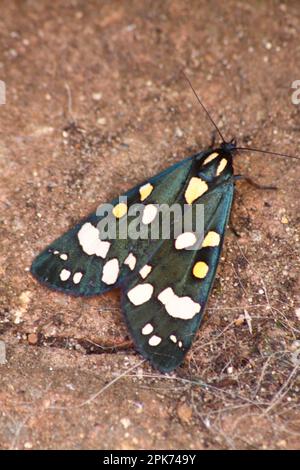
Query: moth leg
(253,183)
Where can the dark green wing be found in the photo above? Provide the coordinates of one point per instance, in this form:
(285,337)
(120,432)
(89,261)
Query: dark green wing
(164,306)
(80,263)
(165,285)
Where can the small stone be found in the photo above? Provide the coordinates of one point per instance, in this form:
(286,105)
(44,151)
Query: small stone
(239,321)
(284,220)
(32,338)
(256,236)
(28,445)
(13,53)
(282,443)
(295,346)
(101,121)
(125,422)
(297,312)
(207,422)
(249,321)
(97,96)
(43,130)
(184,413)
(178,132)
(130,27)
(229,370)
(24,299)
(70,387)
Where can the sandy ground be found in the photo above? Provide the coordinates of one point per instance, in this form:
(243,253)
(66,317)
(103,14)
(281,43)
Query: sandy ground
(95,103)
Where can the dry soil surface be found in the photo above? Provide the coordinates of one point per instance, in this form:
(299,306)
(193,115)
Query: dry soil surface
(95,104)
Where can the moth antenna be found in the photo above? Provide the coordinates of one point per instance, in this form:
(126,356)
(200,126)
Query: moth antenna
(203,107)
(267,151)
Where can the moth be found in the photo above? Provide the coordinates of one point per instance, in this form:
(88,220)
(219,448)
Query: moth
(164,283)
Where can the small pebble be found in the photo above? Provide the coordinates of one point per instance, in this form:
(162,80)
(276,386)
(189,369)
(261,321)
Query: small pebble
(125,422)
(28,445)
(97,96)
(101,121)
(178,132)
(239,321)
(184,412)
(295,346)
(32,338)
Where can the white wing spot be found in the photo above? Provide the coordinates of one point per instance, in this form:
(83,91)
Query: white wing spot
(185,240)
(147,330)
(145,271)
(178,307)
(130,261)
(180,344)
(64,256)
(154,340)
(140,294)
(88,237)
(56,252)
(110,271)
(149,214)
(173,339)
(77,278)
(65,274)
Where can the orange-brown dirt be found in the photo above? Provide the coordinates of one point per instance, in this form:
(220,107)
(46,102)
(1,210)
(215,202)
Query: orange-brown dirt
(95,104)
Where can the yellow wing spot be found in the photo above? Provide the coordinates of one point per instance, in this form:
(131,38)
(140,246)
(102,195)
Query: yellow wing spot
(145,191)
(200,269)
(221,166)
(195,189)
(211,239)
(120,210)
(211,157)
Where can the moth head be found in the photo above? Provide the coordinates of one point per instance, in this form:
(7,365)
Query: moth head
(229,147)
